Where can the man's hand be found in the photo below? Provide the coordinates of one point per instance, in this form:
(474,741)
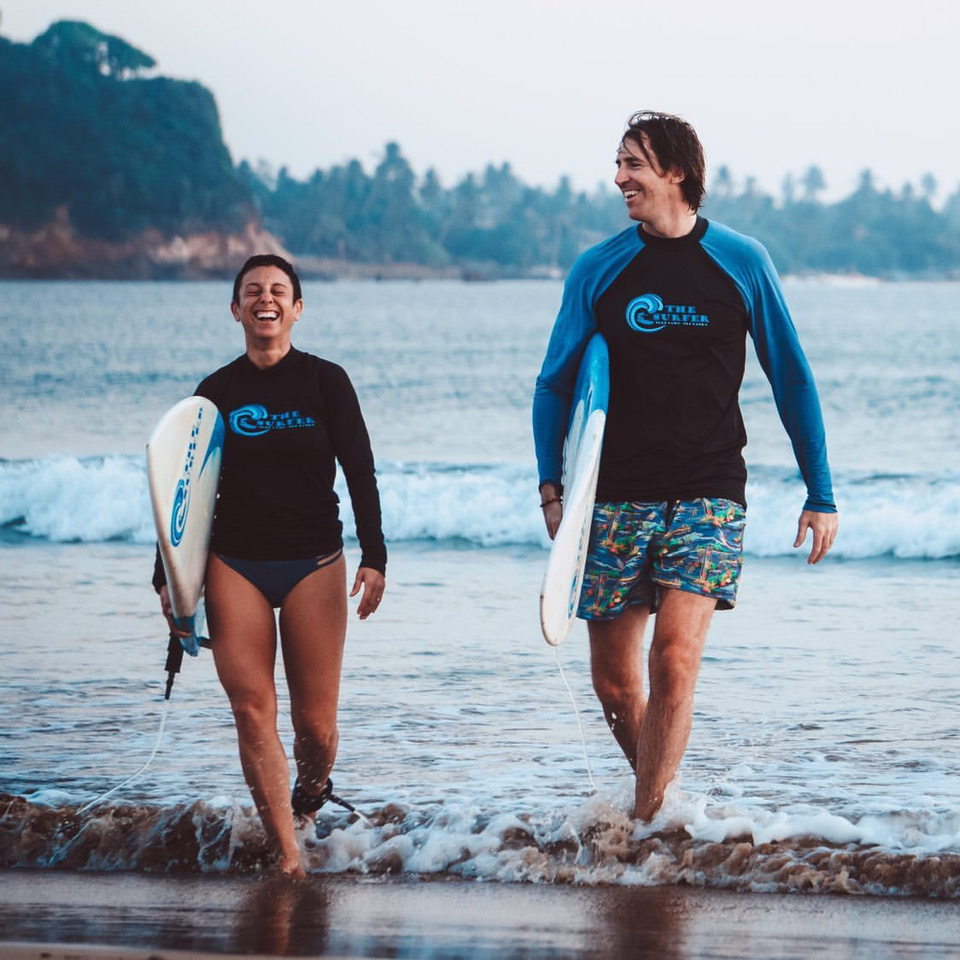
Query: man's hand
(552,508)
(824,527)
(373,583)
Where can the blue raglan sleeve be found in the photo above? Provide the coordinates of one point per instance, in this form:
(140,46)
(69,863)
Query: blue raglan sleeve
(572,329)
(783,361)
(591,274)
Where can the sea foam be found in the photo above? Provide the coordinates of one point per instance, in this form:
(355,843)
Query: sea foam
(67,499)
(592,841)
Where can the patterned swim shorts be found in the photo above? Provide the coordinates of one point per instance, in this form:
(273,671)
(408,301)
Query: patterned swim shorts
(638,548)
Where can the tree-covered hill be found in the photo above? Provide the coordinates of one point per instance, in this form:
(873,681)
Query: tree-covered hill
(83,127)
(496,224)
(109,170)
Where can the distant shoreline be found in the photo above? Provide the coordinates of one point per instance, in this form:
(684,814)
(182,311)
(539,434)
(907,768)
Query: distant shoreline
(333,271)
(57,252)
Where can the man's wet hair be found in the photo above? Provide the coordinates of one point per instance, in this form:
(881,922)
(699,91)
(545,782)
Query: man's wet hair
(267,260)
(675,146)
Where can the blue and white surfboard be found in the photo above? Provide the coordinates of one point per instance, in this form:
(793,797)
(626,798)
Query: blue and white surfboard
(184,455)
(560,593)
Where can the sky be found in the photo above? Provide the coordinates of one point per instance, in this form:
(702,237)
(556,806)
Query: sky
(771,88)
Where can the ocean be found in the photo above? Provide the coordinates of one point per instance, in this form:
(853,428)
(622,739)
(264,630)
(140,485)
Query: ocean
(825,754)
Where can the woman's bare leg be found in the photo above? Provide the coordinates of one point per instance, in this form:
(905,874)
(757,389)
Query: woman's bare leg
(313,625)
(244,641)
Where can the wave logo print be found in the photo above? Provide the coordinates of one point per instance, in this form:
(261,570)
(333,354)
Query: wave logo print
(250,421)
(181,499)
(639,311)
(178,519)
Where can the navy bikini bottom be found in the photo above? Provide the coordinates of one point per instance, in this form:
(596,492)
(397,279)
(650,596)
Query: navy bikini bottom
(276,578)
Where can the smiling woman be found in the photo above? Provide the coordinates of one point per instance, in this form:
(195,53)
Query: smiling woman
(277,542)
(267,302)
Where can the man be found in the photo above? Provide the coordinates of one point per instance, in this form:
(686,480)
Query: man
(675,298)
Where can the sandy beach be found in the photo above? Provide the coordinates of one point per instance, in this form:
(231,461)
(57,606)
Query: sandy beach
(54,916)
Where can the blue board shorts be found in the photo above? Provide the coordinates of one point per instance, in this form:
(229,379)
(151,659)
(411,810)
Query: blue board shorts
(638,548)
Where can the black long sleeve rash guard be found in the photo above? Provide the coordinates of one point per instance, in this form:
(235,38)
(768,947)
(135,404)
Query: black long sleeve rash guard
(287,426)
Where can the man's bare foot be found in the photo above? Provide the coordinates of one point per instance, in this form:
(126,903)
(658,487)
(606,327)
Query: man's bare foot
(646,808)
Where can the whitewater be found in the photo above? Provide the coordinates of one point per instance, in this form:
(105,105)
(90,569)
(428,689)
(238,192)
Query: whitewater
(95,499)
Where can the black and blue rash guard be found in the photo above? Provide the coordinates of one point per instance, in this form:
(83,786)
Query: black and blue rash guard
(675,314)
(286,428)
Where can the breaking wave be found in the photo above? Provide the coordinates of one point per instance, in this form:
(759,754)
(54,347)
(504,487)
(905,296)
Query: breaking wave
(66,499)
(594,844)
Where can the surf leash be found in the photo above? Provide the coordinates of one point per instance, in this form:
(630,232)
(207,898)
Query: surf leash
(172,666)
(174,661)
(573,700)
(304,804)
(333,798)
(132,777)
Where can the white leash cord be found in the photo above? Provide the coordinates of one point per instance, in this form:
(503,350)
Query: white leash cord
(130,779)
(573,700)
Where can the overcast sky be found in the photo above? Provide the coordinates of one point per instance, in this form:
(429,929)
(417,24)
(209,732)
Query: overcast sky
(771,87)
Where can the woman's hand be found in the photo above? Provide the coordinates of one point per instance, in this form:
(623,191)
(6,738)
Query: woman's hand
(373,583)
(167,609)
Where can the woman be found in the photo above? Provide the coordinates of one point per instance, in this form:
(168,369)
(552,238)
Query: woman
(277,543)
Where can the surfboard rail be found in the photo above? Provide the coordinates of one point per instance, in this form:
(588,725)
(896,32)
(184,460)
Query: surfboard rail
(184,457)
(563,579)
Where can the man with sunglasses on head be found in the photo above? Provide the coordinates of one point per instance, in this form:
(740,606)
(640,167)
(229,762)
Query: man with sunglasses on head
(675,297)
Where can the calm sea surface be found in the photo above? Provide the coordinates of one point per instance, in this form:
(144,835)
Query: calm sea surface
(826,745)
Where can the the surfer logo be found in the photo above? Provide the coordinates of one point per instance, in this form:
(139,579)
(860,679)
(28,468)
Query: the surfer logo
(649,314)
(639,311)
(250,421)
(254,420)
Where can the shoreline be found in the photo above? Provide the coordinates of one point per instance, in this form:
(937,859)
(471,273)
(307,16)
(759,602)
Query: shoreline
(54,914)
(329,270)
(309,269)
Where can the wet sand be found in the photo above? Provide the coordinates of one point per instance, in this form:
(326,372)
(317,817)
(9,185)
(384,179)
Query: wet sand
(60,915)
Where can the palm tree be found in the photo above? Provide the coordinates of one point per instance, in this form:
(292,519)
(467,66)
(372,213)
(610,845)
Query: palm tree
(813,183)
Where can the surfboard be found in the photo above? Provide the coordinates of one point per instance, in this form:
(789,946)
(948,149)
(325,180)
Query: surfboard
(563,580)
(184,454)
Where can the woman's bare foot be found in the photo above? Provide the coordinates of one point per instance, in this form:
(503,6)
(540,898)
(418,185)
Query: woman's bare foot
(290,867)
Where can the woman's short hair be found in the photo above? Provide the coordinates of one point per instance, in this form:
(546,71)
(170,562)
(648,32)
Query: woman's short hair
(267,260)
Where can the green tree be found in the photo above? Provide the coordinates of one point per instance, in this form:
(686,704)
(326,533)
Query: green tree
(73,43)
(82,130)
(813,183)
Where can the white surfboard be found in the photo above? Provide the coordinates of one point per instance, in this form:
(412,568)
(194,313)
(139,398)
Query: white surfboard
(560,592)
(184,455)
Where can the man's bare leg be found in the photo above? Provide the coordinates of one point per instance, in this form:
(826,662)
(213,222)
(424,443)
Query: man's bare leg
(679,635)
(616,664)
